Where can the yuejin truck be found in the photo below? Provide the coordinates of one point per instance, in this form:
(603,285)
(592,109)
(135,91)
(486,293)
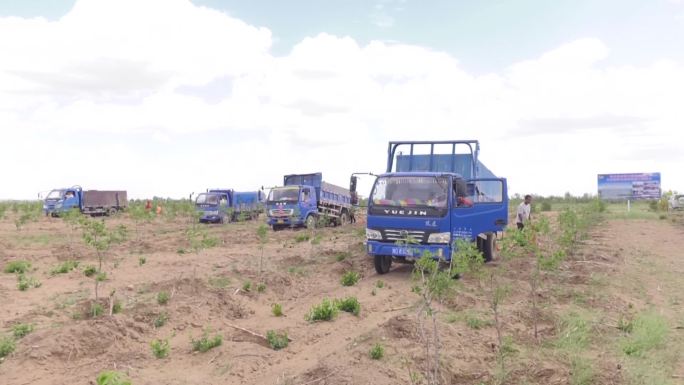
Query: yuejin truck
(432,194)
(91,202)
(227,205)
(303,199)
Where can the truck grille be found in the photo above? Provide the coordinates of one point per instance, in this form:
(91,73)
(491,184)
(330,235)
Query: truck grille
(392,235)
(280,212)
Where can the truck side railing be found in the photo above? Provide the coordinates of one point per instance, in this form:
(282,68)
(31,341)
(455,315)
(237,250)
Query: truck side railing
(473,146)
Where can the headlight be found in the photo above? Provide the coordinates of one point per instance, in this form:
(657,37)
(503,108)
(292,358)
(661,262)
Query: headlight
(439,238)
(373,234)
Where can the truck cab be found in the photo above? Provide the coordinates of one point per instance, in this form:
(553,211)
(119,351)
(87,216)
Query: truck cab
(292,206)
(428,200)
(62,200)
(215,206)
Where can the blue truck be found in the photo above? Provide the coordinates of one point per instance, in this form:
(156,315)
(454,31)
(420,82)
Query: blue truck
(303,199)
(432,194)
(228,205)
(91,202)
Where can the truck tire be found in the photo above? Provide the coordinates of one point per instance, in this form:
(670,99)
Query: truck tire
(489,247)
(344,218)
(111,211)
(278,227)
(310,221)
(382,263)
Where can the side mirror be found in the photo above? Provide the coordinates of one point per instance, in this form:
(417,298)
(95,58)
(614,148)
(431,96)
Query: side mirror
(352,190)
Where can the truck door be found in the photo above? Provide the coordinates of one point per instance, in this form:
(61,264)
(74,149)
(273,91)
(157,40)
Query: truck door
(70,200)
(307,200)
(478,206)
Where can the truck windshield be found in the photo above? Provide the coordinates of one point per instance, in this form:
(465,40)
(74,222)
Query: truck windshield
(411,191)
(284,194)
(55,194)
(207,199)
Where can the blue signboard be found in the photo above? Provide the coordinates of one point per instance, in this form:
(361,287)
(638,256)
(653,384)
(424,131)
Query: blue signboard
(629,186)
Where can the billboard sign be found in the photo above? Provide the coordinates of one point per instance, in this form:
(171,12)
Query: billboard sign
(629,186)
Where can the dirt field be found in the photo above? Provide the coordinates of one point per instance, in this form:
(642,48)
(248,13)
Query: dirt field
(626,268)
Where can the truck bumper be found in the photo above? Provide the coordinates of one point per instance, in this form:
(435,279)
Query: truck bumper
(210,219)
(411,252)
(285,221)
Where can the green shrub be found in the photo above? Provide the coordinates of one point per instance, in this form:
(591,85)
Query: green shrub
(475,323)
(302,237)
(7,346)
(261,287)
(350,278)
(96,309)
(277,340)
(142,261)
(219,282)
(161,320)
(24,283)
(377,352)
(379,284)
(247,286)
(21,330)
(277,309)
(117,307)
(546,206)
(160,348)
(64,267)
(349,304)
(19,267)
(112,378)
(648,331)
(205,343)
(325,311)
(90,271)
(163,297)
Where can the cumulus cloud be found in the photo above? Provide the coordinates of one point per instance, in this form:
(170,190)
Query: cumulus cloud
(163,97)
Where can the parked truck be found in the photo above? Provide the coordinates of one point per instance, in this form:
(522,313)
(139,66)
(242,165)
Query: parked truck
(91,202)
(228,205)
(303,199)
(432,194)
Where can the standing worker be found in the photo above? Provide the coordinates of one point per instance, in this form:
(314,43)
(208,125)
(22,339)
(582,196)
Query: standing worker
(524,212)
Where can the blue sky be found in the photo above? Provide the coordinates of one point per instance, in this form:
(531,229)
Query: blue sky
(484,35)
(167,97)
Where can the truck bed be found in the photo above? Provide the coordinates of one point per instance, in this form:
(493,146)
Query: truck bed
(95,199)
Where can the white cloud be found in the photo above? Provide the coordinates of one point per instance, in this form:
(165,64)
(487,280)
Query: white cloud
(163,98)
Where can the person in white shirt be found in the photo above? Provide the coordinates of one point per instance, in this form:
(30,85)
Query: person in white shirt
(524,212)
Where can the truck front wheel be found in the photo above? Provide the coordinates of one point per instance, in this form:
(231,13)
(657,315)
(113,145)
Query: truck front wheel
(382,263)
(311,222)
(489,247)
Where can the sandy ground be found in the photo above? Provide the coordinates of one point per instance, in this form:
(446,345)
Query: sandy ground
(633,263)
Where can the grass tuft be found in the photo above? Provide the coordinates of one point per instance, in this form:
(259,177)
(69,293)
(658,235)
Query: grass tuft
(160,348)
(18,267)
(64,267)
(325,311)
(21,330)
(205,343)
(350,278)
(112,378)
(163,297)
(349,305)
(277,340)
(376,352)
(648,331)
(277,310)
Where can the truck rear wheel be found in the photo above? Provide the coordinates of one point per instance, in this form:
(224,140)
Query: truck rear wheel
(344,218)
(489,247)
(382,263)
